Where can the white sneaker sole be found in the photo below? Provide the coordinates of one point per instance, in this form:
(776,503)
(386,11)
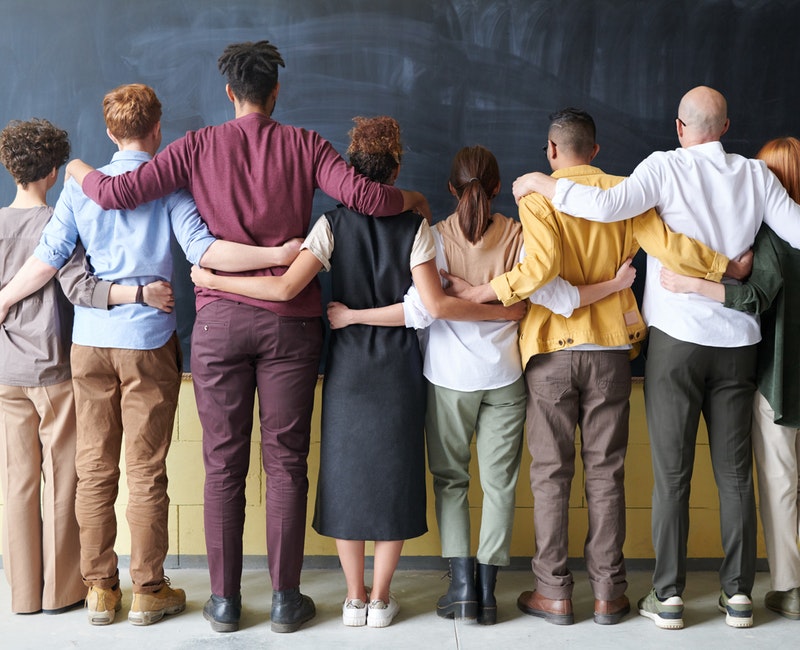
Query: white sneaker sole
(154,616)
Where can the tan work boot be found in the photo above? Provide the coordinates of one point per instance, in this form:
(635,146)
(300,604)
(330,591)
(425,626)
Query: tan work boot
(103,604)
(151,608)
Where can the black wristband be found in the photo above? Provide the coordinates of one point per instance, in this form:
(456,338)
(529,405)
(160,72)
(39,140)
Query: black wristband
(140,295)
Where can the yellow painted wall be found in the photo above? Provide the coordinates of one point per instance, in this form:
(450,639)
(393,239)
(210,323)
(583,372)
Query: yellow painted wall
(186,494)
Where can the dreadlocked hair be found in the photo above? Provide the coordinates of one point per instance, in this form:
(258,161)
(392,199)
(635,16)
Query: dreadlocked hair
(474,176)
(251,69)
(375,149)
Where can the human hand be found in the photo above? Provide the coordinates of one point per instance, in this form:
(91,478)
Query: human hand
(740,268)
(202,277)
(533,182)
(77,169)
(675,282)
(517,311)
(289,251)
(456,286)
(626,274)
(159,294)
(339,315)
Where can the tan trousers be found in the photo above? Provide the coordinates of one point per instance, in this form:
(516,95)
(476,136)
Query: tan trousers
(777,452)
(135,391)
(40,534)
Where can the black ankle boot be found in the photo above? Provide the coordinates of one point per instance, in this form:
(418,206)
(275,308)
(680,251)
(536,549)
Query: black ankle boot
(485,580)
(460,601)
(223,613)
(290,609)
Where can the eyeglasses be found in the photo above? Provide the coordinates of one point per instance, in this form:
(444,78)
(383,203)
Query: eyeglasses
(549,142)
(683,124)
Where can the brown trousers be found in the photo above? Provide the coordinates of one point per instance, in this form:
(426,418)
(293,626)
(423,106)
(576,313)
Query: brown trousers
(591,390)
(135,391)
(40,534)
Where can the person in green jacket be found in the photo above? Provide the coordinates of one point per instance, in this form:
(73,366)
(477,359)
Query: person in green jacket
(773,291)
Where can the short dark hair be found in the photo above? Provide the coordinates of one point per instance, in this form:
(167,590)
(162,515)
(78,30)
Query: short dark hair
(573,129)
(251,69)
(31,150)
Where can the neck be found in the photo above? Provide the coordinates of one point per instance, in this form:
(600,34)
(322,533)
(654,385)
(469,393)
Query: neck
(564,163)
(33,196)
(243,108)
(137,145)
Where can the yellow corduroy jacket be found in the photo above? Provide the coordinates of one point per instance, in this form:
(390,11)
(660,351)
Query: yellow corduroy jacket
(586,252)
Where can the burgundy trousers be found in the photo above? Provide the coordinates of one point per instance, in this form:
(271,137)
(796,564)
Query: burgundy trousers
(239,351)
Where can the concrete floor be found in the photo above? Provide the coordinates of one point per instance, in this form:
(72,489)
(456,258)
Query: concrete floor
(415,627)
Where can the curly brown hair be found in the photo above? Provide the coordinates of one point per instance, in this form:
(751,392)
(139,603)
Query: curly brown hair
(375,149)
(31,150)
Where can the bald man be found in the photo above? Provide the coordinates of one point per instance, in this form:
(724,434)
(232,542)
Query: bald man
(701,356)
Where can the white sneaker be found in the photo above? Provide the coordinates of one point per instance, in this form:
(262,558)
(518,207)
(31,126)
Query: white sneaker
(354,612)
(380,613)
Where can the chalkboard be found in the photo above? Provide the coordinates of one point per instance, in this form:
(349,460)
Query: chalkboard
(452,72)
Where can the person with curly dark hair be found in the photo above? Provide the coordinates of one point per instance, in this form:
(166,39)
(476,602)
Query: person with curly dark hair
(253,180)
(372,460)
(41,550)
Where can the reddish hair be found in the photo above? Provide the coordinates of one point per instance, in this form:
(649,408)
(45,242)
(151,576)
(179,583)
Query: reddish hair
(782,156)
(131,111)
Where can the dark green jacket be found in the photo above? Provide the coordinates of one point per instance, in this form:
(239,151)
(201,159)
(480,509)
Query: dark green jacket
(773,291)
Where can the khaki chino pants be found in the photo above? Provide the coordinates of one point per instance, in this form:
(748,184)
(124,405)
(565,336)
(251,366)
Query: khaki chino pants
(37,471)
(135,392)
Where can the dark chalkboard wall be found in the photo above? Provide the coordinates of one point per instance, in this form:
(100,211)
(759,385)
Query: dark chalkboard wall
(452,72)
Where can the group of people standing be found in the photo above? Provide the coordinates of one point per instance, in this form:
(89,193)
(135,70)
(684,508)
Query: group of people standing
(387,392)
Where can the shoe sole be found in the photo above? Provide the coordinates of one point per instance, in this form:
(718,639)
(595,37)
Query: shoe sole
(220,627)
(487,615)
(663,623)
(465,610)
(381,622)
(355,619)
(555,619)
(736,621)
(793,616)
(153,616)
(103,617)
(284,628)
(612,619)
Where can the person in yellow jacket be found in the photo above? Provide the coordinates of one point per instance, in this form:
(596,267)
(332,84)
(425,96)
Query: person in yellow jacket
(577,369)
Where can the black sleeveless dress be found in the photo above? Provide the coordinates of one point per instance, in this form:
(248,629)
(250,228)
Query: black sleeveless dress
(372,458)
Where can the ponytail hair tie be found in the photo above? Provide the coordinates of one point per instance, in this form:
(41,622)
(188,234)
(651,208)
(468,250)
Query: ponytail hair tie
(473,179)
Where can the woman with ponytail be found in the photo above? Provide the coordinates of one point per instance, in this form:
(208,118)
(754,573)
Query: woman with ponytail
(475,383)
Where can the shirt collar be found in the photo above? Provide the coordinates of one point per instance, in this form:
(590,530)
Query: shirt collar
(130,154)
(578,170)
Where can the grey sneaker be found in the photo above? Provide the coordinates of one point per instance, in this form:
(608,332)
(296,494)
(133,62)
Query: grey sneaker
(666,614)
(738,609)
(786,603)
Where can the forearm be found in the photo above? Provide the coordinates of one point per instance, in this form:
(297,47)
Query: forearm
(276,288)
(418,203)
(591,293)
(31,277)
(389,316)
(234,257)
(451,308)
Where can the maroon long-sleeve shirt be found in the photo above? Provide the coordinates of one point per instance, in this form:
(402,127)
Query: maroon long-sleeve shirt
(253,180)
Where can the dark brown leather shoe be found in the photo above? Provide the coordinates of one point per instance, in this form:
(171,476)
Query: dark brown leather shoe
(558,612)
(611,612)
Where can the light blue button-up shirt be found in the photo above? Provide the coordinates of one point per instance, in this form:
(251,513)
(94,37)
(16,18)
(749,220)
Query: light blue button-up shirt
(128,247)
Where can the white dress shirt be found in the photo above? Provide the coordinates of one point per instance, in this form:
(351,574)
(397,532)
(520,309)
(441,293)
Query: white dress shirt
(718,198)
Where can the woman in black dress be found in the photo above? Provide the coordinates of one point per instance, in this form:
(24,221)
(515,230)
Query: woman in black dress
(372,464)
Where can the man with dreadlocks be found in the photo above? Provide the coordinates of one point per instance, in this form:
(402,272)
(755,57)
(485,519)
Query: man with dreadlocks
(253,180)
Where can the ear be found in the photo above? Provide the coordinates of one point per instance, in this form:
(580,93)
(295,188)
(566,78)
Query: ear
(275,91)
(112,137)
(496,190)
(725,127)
(452,189)
(229,93)
(679,127)
(595,151)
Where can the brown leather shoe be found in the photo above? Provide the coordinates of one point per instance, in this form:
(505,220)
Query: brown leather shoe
(611,612)
(558,612)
